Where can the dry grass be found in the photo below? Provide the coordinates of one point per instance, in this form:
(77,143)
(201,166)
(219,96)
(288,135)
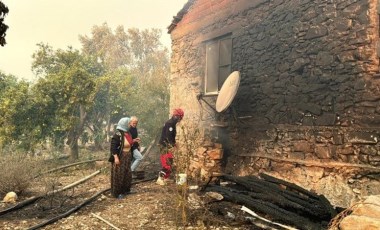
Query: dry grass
(17,173)
(189,140)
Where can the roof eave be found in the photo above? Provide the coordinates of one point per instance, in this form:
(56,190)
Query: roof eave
(179,16)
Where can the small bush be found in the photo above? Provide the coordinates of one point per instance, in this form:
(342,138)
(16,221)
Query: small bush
(190,138)
(17,173)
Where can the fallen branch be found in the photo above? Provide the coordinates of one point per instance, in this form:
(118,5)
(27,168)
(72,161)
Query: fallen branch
(70,165)
(84,179)
(105,221)
(327,164)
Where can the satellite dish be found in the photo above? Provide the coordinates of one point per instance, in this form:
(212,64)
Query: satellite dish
(228,91)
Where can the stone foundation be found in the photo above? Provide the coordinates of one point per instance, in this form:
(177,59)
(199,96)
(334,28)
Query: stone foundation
(206,162)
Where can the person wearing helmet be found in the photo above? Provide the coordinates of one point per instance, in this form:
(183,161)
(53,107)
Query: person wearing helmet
(167,145)
(121,157)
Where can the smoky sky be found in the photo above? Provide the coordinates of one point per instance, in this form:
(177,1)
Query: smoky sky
(58,23)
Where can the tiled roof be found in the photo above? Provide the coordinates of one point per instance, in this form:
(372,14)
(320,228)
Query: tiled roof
(180,15)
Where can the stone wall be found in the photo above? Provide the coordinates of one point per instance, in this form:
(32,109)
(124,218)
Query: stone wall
(309,91)
(207,161)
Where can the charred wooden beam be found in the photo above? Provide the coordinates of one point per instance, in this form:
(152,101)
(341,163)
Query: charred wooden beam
(281,202)
(310,205)
(288,185)
(275,212)
(321,198)
(310,201)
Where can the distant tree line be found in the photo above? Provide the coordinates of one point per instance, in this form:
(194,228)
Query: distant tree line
(80,94)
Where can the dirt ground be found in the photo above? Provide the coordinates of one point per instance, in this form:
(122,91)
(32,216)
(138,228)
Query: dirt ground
(149,206)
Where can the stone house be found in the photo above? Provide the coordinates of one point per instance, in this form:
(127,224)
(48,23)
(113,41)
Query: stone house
(307,108)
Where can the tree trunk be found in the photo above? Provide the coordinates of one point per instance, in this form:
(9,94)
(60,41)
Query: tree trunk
(98,137)
(72,141)
(75,133)
(74,149)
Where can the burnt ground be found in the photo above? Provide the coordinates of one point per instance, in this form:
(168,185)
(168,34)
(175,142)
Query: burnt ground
(149,206)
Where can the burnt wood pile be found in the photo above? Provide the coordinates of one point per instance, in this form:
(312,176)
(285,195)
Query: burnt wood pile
(278,200)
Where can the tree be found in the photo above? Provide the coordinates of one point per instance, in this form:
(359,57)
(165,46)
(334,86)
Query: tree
(3,27)
(66,91)
(112,49)
(151,71)
(139,57)
(110,101)
(117,73)
(14,107)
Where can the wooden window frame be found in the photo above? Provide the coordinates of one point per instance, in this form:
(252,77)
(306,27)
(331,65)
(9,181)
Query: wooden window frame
(218,63)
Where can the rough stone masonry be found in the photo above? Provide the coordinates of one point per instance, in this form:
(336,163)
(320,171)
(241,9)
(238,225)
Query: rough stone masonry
(307,109)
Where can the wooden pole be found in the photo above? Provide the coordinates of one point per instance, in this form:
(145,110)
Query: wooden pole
(105,221)
(149,148)
(73,164)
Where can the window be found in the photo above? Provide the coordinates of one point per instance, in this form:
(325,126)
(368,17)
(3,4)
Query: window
(218,63)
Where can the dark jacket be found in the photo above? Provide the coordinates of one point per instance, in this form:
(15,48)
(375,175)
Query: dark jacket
(134,134)
(168,133)
(117,144)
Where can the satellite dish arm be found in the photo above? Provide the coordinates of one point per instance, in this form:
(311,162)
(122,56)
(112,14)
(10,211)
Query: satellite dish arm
(200,97)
